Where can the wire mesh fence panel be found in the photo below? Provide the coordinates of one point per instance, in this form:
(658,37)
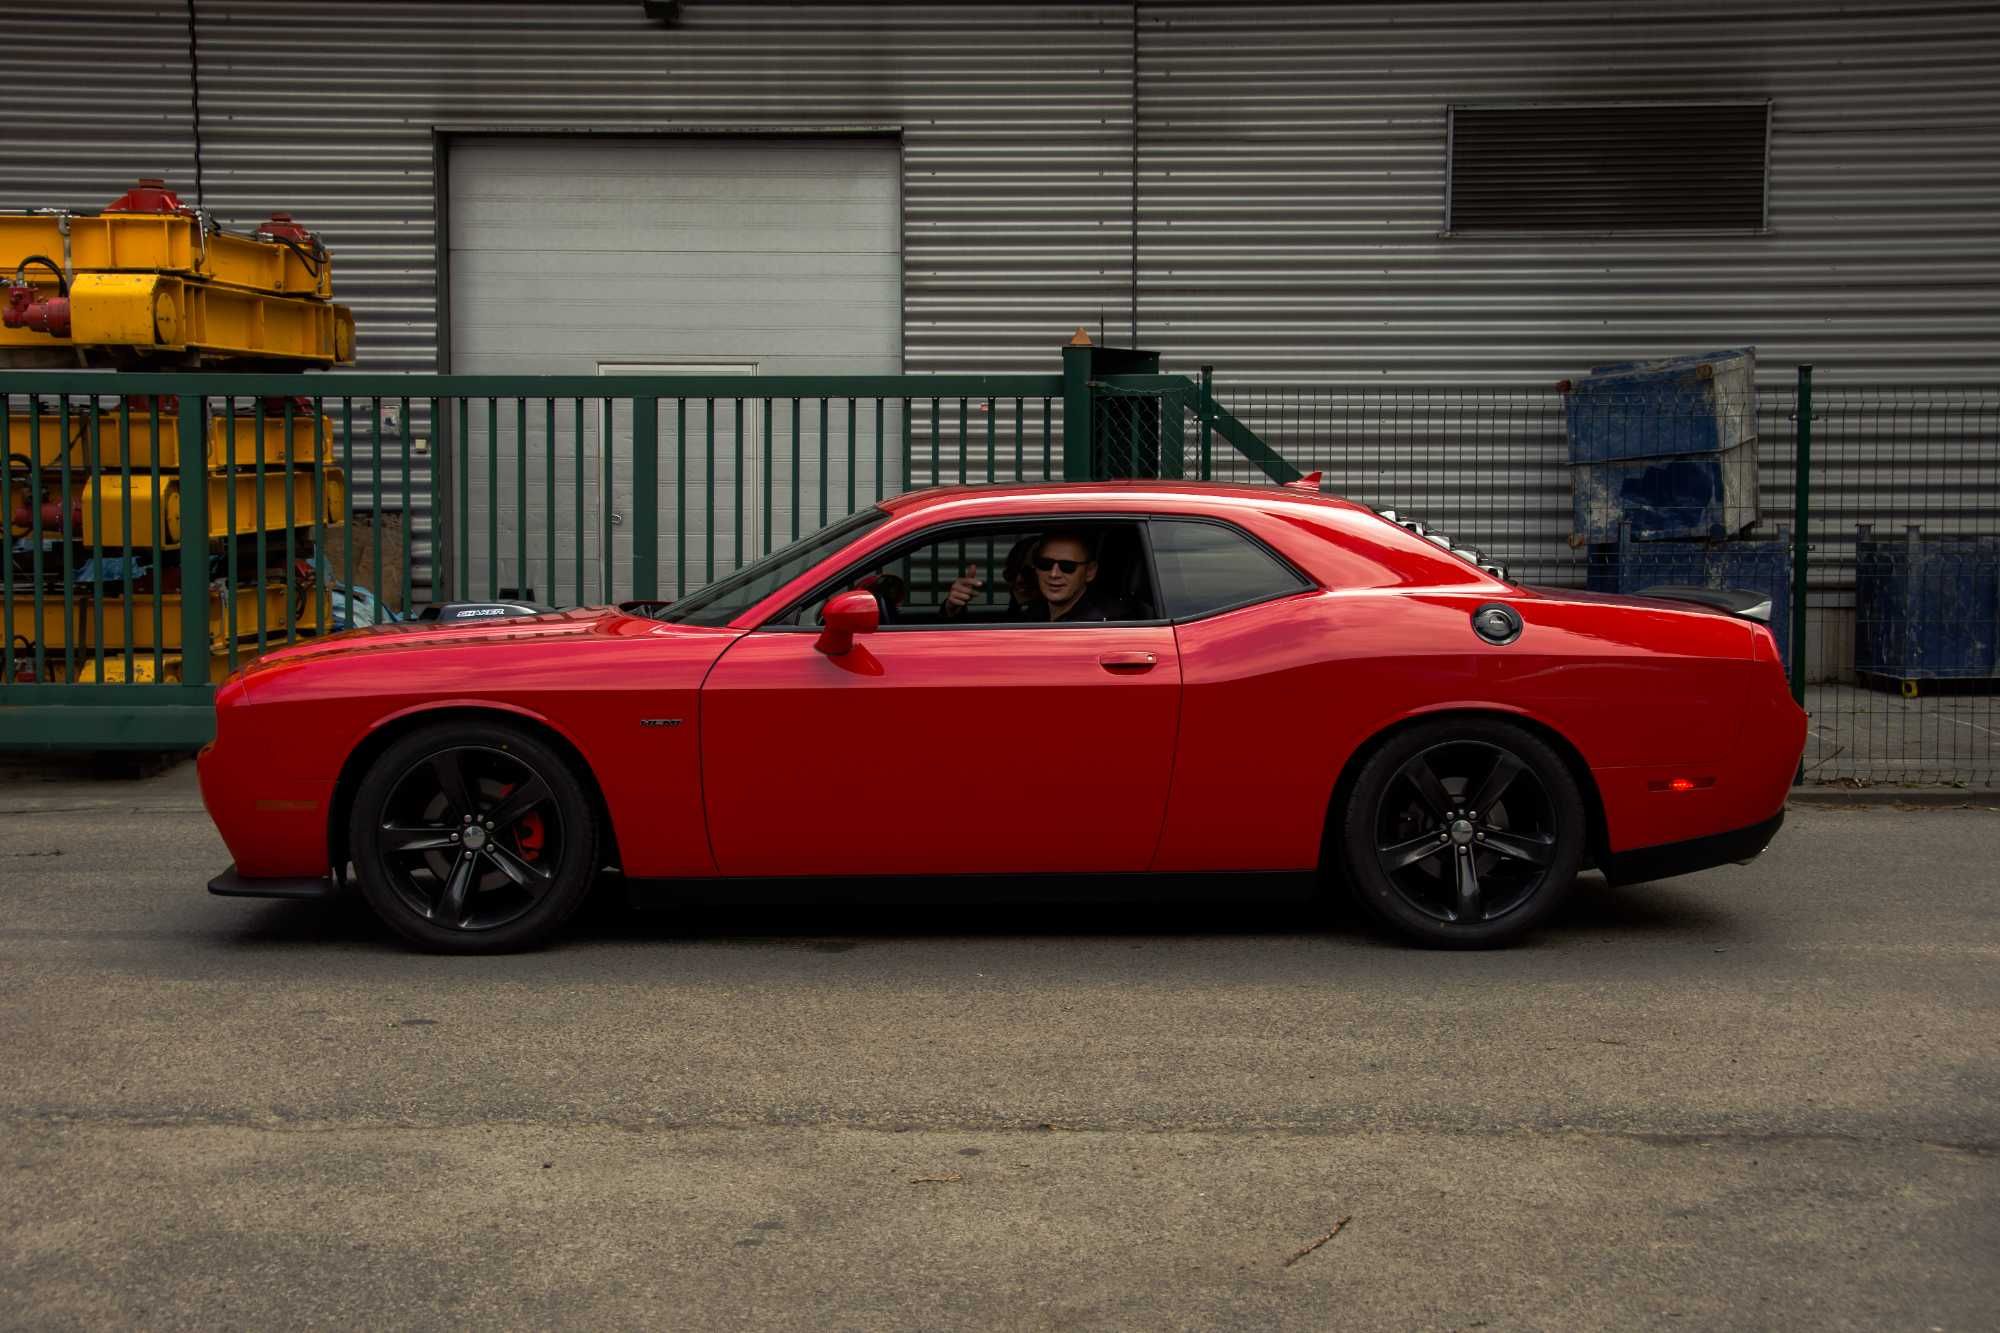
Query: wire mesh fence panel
(1903,596)
(1678,487)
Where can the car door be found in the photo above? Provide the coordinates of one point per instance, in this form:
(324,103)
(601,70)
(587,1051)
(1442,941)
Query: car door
(931,748)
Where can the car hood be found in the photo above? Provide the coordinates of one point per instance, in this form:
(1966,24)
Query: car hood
(582,624)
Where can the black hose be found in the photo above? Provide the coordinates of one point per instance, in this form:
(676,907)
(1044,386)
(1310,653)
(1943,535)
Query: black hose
(312,258)
(62,281)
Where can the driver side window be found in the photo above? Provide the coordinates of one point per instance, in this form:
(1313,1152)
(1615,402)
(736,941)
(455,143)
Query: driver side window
(1047,572)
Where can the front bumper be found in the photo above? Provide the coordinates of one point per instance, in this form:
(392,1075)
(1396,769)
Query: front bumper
(230,884)
(1643,864)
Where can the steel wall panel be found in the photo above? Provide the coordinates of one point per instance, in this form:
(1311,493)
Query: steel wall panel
(1293,173)
(92,97)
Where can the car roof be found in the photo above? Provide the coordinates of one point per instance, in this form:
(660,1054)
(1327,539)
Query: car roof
(1182,495)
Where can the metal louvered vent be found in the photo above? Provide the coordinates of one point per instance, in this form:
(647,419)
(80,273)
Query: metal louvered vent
(1623,167)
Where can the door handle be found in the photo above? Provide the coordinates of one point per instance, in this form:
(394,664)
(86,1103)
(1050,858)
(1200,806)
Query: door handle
(1133,662)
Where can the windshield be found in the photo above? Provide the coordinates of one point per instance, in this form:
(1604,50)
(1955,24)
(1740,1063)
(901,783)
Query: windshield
(725,599)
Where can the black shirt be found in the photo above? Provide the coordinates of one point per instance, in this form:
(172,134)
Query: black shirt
(1085,608)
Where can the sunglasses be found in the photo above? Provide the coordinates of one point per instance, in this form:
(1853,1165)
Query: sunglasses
(1046,563)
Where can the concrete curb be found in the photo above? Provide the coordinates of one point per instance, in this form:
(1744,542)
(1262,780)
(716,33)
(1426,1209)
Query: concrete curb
(1935,797)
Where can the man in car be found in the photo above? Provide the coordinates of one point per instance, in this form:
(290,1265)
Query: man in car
(1064,565)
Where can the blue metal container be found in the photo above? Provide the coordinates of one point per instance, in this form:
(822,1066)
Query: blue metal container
(1696,495)
(1762,565)
(1656,409)
(1926,611)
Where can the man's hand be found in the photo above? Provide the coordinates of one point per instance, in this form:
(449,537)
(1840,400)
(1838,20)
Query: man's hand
(962,590)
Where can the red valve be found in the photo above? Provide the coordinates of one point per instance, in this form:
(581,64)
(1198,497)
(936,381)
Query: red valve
(28,309)
(150,195)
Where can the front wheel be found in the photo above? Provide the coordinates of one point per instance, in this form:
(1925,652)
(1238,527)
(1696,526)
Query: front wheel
(1463,833)
(472,838)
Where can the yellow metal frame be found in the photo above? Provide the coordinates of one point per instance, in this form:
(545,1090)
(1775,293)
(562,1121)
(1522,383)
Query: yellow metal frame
(54,629)
(161,243)
(235,618)
(165,313)
(46,444)
(104,500)
(143,672)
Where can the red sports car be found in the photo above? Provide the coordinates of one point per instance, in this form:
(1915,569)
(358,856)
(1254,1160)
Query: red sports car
(1094,679)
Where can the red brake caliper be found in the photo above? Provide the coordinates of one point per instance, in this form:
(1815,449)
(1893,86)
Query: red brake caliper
(529,833)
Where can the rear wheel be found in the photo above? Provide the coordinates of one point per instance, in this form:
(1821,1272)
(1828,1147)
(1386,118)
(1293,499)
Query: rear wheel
(1463,833)
(472,838)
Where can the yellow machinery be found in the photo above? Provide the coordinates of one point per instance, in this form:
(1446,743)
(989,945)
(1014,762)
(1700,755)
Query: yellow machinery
(152,281)
(93,486)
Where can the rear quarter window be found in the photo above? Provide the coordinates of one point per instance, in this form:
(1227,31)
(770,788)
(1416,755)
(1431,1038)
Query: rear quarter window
(1207,567)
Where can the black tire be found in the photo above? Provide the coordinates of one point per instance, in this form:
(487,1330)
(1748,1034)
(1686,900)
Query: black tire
(1424,858)
(473,837)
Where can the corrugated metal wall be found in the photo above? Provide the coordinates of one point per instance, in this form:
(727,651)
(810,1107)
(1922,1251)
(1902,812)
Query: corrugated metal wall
(91,98)
(1292,188)
(1291,163)
(1015,121)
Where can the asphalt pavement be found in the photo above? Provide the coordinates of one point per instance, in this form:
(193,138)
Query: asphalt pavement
(1764,1097)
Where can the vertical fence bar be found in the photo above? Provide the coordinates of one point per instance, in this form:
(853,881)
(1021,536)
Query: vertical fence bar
(409,514)
(347,504)
(316,588)
(1048,437)
(989,439)
(66,541)
(159,545)
(461,463)
(645,498)
(937,450)
(291,532)
(33,456)
(37,490)
(194,540)
(853,456)
(93,458)
(263,513)
(375,499)
(738,487)
(795,470)
(549,496)
(608,439)
(963,477)
(909,443)
(577,445)
(231,630)
(1801,528)
(131,584)
(880,480)
(1206,409)
(442,527)
(680,495)
(492,500)
(1020,408)
(770,460)
(521,497)
(708,480)
(822,462)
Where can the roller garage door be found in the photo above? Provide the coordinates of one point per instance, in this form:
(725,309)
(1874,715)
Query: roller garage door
(594,256)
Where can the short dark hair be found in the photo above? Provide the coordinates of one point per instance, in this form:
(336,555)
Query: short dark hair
(1087,541)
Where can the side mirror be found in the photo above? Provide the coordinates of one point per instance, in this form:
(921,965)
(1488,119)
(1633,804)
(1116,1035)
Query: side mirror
(847,614)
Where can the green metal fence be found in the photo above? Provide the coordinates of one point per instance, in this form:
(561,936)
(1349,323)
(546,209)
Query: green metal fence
(297,504)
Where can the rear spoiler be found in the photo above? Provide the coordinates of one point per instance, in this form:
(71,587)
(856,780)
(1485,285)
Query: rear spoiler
(1731,601)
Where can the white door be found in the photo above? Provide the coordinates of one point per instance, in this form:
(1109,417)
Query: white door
(575,255)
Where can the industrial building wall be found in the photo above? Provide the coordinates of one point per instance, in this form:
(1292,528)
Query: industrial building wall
(1291,162)
(1292,183)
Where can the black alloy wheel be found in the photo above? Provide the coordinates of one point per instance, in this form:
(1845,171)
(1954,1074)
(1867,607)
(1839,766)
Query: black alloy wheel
(1463,833)
(472,839)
